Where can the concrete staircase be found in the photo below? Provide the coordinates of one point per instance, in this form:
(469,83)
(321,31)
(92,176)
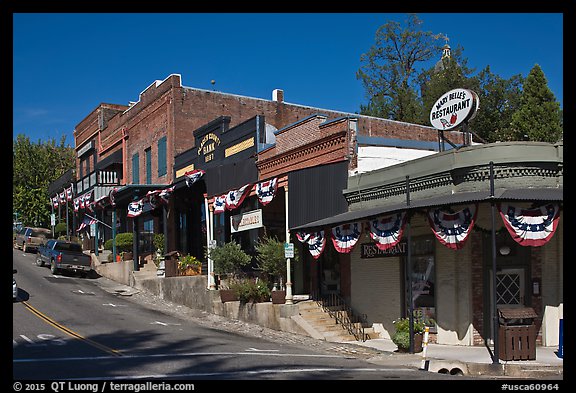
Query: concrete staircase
(325,325)
(147,271)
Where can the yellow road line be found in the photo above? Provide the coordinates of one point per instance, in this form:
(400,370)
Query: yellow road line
(70,332)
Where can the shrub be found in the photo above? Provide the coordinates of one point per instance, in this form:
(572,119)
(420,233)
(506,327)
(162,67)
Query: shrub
(270,258)
(124,242)
(159,242)
(229,259)
(251,290)
(60,229)
(108,244)
(401,336)
(188,260)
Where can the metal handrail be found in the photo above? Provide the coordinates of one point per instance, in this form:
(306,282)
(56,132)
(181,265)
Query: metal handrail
(336,306)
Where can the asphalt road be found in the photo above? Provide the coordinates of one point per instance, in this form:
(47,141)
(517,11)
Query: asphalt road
(71,328)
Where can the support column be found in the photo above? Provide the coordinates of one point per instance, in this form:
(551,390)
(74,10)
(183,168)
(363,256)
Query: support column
(289,298)
(209,238)
(114,234)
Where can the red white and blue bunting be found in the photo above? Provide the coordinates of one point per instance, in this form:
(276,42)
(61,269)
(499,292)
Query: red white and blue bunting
(345,236)
(235,198)
(193,176)
(316,243)
(76,203)
(55,202)
(135,208)
(530,227)
(386,231)
(69,194)
(452,229)
(219,204)
(302,236)
(266,191)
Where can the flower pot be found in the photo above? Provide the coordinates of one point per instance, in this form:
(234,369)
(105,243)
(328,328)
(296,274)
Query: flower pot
(278,297)
(228,295)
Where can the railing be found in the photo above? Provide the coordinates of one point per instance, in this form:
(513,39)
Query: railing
(337,308)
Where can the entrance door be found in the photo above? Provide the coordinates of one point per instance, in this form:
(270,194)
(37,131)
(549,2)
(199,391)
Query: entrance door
(510,287)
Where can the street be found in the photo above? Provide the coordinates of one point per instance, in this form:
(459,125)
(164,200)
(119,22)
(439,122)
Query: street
(71,328)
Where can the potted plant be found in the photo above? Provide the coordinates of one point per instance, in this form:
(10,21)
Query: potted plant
(159,245)
(272,262)
(251,290)
(189,265)
(401,336)
(124,243)
(229,259)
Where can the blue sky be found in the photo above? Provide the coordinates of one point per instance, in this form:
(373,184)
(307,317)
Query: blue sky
(66,64)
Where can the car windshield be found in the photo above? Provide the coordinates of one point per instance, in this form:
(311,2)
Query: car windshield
(40,233)
(68,247)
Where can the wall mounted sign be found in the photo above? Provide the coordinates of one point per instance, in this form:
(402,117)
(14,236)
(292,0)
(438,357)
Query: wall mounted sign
(208,145)
(454,108)
(246,221)
(370,250)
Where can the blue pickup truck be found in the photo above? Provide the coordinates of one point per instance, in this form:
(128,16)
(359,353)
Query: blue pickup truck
(62,255)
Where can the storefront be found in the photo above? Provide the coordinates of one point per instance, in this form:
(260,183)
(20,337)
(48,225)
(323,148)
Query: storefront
(445,206)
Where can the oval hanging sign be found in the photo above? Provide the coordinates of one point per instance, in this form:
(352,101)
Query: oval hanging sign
(454,108)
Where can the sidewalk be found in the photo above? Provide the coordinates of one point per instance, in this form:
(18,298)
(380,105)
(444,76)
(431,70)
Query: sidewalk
(471,360)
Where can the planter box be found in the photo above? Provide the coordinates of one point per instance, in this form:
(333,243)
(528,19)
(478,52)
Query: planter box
(228,295)
(278,297)
(191,271)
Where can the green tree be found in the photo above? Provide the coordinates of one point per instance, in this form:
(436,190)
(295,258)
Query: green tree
(539,117)
(499,100)
(388,70)
(271,260)
(35,166)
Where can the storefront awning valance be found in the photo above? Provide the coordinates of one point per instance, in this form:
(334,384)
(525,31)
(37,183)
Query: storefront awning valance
(502,194)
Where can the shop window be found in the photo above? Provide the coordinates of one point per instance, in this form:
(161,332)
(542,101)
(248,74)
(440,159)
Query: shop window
(423,279)
(136,169)
(162,156)
(148,158)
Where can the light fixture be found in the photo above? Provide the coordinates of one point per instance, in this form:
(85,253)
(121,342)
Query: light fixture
(504,250)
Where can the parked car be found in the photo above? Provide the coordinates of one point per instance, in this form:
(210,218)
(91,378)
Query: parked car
(14,286)
(63,255)
(28,239)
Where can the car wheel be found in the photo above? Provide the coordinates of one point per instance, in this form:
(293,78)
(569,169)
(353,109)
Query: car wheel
(39,260)
(53,268)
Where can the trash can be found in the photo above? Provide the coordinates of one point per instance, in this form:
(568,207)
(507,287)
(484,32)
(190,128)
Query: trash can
(171,264)
(517,333)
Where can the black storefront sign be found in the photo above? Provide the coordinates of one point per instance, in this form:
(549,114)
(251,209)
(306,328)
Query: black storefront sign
(369,251)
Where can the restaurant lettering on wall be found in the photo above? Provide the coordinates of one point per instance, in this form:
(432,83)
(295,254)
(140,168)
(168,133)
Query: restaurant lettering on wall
(369,250)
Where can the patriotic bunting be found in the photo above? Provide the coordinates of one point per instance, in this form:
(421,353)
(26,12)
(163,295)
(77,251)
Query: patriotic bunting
(316,243)
(87,200)
(76,205)
(345,237)
(69,194)
(82,201)
(55,202)
(452,229)
(63,197)
(219,204)
(302,236)
(387,231)
(266,191)
(530,227)
(193,176)
(235,198)
(165,194)
(135,208)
